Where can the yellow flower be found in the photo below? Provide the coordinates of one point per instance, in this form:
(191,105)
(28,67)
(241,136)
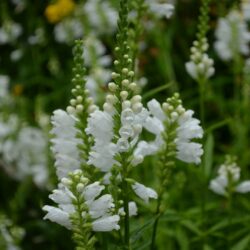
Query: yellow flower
(57,11)
(17,90)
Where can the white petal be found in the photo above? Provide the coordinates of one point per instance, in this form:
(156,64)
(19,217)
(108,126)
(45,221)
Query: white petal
(243,187)
(154,125)
(144,192)
(132,209)
(156,110)
(92,191)
(100,207)
(61,196)
(192,69)
(189,152)
(218,185)
(106,224)
(58,216)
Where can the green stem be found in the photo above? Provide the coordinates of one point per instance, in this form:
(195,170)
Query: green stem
(158,214)
(202,88)
(126,218)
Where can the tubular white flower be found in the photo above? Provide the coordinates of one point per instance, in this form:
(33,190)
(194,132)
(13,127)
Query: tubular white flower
(189,152)
(161,9)
(243,187)
(154,125)
(92,191)
(229,174)
(65,143)
(100,208)
(132,207)
(156,110)
(144,192)
(218,185)
(100,126)
(106,224)
(187,128)
(58,216)
(232,36)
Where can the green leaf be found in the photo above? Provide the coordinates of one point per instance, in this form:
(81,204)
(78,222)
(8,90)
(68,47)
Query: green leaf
(242,244)
(208,158)
(207,247)
(156,90)
(192,227)
(138,232)
(182,239)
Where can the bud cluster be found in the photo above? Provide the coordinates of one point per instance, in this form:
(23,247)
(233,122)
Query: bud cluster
(200,66)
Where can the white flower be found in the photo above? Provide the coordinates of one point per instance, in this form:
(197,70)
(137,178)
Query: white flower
(189,152)
(132,207)
(58,216)
(9,32)
(218,185)
(100,126)
(154,125)
(156,110)
(65,143)
(99,208)
(232,36)
(243,187)
(101,16)
(4,85)
(230,169)
(102,156)
(106,224)
(229,174)
(161,9)
(245,6)
(92,191)
(68,30)
(188,128)
(144,192)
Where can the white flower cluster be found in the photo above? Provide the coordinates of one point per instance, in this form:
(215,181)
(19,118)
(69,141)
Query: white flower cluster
(228,177)
(186,128)
(24,151)
(64,143)
(200,66)
(160,9)
(97,208)
(107,146)
(9,32)
(245,7)
(232,36)
(98,15)
(10,234)
(4,85)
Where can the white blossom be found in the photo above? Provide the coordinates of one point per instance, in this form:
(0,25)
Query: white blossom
(229,174)
(243,187)
(100,208)
(132,208)
(9,32)
(144,192)
(105,224)
(232,36)
(200,65)
(65,143)
(4,86)
(188,128)
(160,9)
